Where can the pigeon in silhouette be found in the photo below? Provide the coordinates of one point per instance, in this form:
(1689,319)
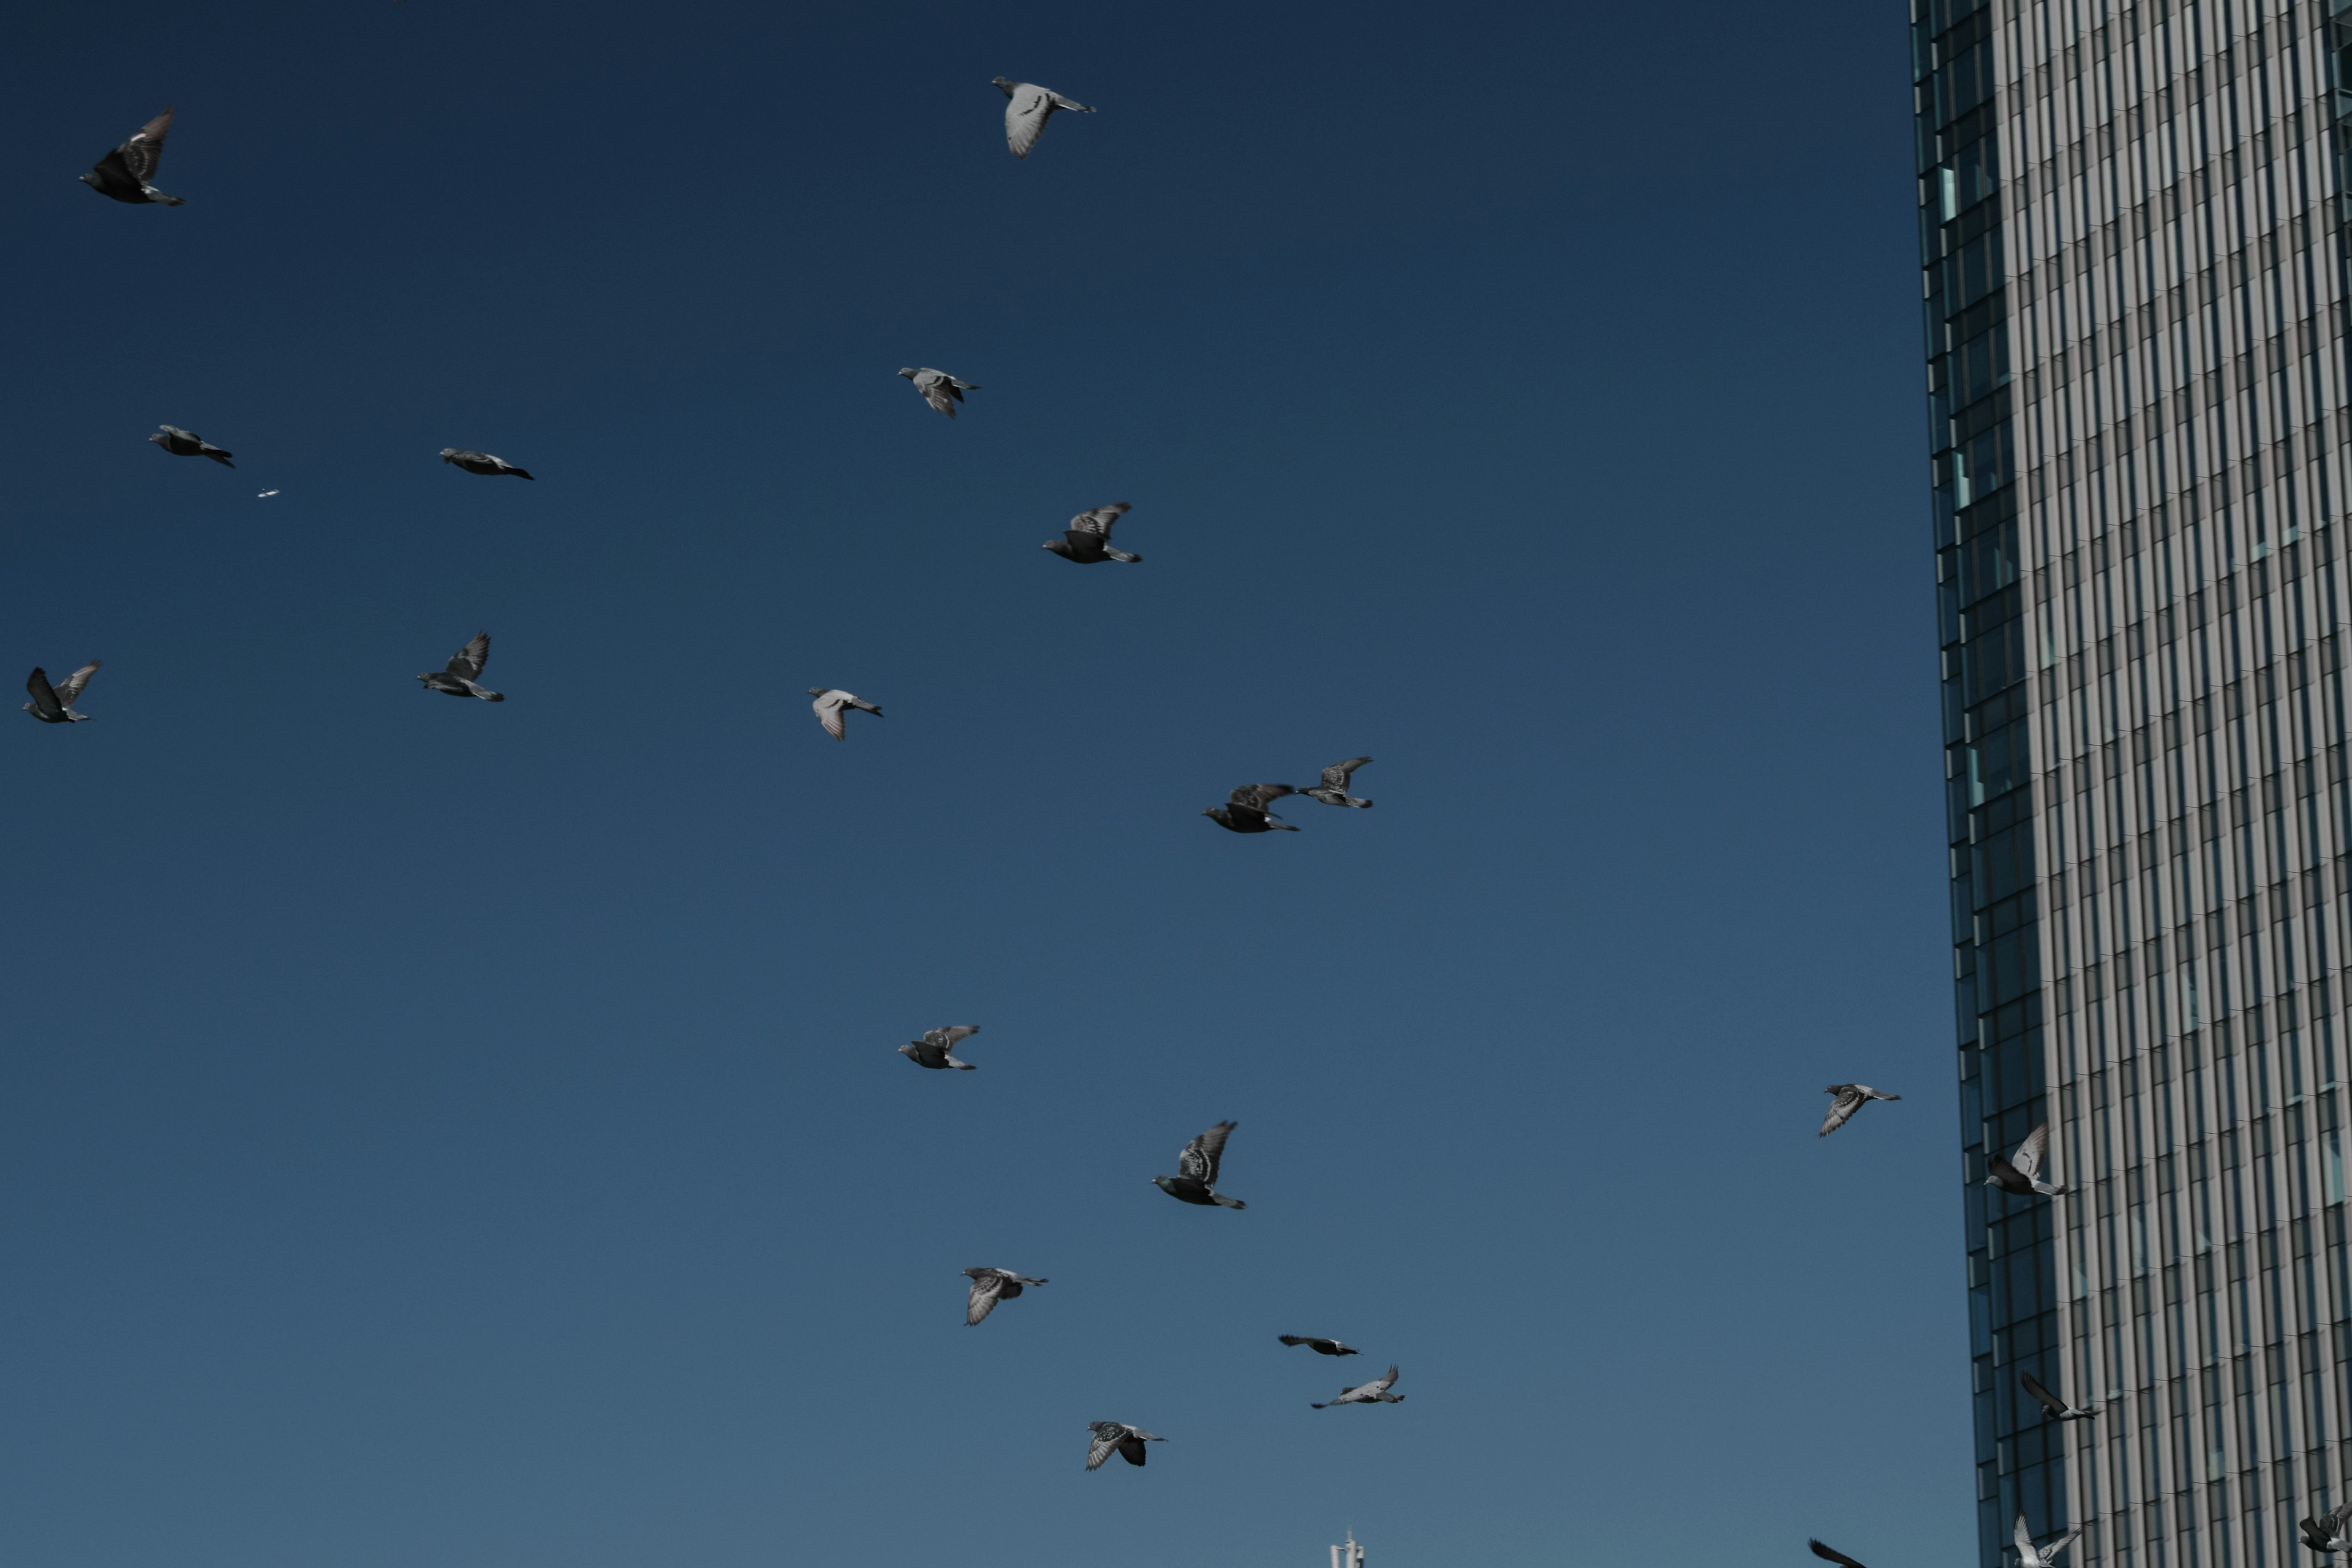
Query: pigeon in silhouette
(1195,1180)
(829,704)
(1373,1393)
(1087,539)
(2031,1556)
(2056,1408)
(1320,1347)
(188,443)
(124,174)
(1245,810)
(53,704)
(1333,790)
(1849,1097)
(2330,1533)
(1832,1554)
(990,1286)
(482,463)
(932,1049)
(465,669)
(1116,1438)
(940,389)
(2021,1172)
(1025,116)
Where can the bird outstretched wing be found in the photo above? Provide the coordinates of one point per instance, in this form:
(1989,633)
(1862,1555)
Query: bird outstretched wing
(1336,775)
(1024,117)
(2041,1396)
(1098,520)
(1832,1554)
(1377,1387)
(1108,1436)
(44,696)
(466,662)
(1199,1160)
(1258,796)
(145,150)
(2030,1153)
(948,1036)
(70,687)
(985,1289)
(2024,1539)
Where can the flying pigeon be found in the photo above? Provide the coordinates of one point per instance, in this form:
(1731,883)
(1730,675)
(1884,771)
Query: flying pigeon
(1319,1346)
(2021,1172)
(53,704)
(1373,1393)
(1116,1438)
(990,1286)
(188,443)
(1025,116)
(465,669)
(2057,1409)
(1832,1554)
(1245,810)
(1087,539)
(2329,1531)
(933,1051)
(1850,1098)
(482,463)
(1333,790)
(829,704)
(1195,1180)
(124,174)
(940,389)
(2031,1556)
(265,494)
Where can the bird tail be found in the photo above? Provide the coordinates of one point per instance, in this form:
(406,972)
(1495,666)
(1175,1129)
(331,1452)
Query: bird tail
(1284,826)
(1359,805)
(1121,555)
(491,696)
(1225,1202)
(965,1067)
(222,458)
(155,195)
(1317,1407)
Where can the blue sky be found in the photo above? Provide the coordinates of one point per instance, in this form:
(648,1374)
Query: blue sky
(443,1133)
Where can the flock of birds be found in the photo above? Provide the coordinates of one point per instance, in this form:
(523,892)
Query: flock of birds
(127,174)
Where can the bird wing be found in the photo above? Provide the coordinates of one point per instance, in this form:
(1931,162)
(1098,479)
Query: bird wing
(828,713)
(1295,1339)
(468,661)
(145,150)
(1199,1160)
(1336,775)
(2030,1153)
(2024,1539)
(1131,1449)
(1257,797)
(1830,1554)
(2314,1536)
(2041,1396)
(985,1289)
(1377,1387)
(948,1036)
(1841,1109)
(1100,520)
(2049,1552)
(1108,1439)
(44,696)
(1024,117)
(70,687)
(938,395)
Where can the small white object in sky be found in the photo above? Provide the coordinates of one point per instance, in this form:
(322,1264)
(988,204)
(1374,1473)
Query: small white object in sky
(265,493)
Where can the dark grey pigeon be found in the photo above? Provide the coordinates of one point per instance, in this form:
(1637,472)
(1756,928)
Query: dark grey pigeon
(990,1286)
(1320,1347)
(1195,1180)
(482,463)
(940,389)
(465,669)
(1849,1098)
(1026,116)
(1832,1554)
(2054,1407)
(2021,1173)
(188,443)
(124,174)
(2330,1533)
(933,1049)
(1116,1438)
(53,704)
(1373,1393)
(1087,539)
(1245,810)
(1333,790)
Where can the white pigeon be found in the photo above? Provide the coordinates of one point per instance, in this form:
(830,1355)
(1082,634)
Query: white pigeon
(829,704)
(990,1286)
(1031,106)
(53,704)
(940,389)
(1849,1098)
(1373,1393)
(2031,1556)
(936,1048)
(2021,1173)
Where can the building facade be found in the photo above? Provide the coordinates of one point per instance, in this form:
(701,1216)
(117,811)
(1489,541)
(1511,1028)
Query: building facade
(2133,222)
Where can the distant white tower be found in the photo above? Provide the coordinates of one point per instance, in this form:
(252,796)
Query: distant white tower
(1348,1556)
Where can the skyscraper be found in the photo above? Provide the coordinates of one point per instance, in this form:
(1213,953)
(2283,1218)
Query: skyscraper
(2133,222)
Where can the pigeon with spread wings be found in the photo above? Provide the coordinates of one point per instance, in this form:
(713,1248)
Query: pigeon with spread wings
(1087,539)
(1245,810)
(188,443)
(2031,1556)
(124,173)
(55,704)
(1195,1180)
(483,463)
(1116,1438)
(1333,790)
(1319,1346)
(1847,1099)
(940,389)
(2054,1407)
(464,674)
(936,1048)
(990,1286)
(2330,1533)
(828,705)
(1373,1393)
(1030,107)
(2021,1173)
